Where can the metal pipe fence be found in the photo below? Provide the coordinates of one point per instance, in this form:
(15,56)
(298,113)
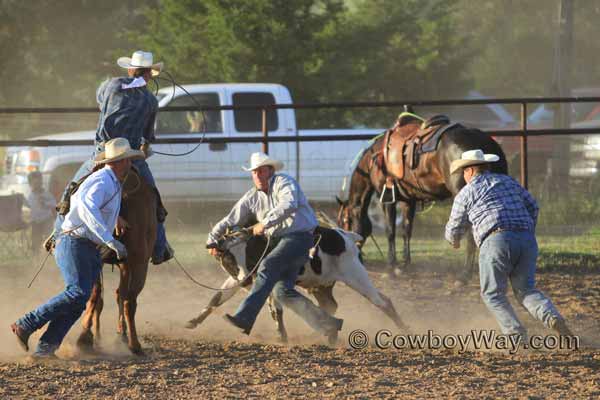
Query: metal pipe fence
(523,133)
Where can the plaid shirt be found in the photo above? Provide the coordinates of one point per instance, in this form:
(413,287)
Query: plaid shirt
(128,113)
(489,202)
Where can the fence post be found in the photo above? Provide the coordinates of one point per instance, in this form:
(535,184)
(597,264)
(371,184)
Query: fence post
(524,145)
(265,132)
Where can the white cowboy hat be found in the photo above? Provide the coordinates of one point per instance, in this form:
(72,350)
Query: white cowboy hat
(472,157)
(117,149)
(141,59)
(259,159)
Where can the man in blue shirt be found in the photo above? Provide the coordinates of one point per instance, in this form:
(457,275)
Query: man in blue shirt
(503,216)
(283,213)
(128,110)
(89,223)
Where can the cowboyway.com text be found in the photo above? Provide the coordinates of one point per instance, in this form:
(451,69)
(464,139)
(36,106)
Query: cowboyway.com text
(475,340)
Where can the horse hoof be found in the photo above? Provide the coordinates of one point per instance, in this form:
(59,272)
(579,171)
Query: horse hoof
(137,350)
(123,338)
(85,343)
(191,324)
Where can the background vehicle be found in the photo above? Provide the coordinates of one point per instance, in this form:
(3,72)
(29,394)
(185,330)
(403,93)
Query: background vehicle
(212,172)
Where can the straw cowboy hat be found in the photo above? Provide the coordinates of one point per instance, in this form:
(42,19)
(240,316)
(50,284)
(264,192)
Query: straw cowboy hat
(141,59)
(472,157)
(117,149)
(259,159)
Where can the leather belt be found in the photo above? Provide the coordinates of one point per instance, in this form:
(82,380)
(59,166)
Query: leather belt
(498,230)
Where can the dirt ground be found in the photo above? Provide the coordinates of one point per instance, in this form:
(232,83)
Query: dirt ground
(214,361)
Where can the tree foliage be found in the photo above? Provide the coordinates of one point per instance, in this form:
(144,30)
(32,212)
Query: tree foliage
(320,49)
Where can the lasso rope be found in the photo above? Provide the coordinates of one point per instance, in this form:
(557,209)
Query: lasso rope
(239,282)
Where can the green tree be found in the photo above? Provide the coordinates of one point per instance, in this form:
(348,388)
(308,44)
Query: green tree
(375,50)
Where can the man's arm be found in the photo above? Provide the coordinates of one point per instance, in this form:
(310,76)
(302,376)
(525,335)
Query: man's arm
(459,219)
(287,202)
(100,95)
(238,216)
(148,134)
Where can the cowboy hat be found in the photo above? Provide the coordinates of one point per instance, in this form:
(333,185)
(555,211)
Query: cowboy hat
(259,159)
(472,157)
(117,149)
(141,59)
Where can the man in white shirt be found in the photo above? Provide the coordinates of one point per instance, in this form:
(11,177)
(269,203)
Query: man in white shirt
(90,222)
(284,214)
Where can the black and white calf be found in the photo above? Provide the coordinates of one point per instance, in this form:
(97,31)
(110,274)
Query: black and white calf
(336,259)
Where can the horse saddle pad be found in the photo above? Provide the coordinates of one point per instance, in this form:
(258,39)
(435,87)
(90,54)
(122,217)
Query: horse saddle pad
(426,140)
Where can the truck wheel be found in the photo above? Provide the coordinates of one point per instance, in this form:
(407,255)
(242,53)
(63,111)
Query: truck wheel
(60,178)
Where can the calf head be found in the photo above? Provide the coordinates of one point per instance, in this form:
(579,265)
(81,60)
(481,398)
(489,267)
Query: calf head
(239,251)
(355,219)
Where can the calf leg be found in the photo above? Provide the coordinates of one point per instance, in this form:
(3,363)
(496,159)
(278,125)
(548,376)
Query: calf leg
(277,315)
(93,308)
(357,278)
(218,299)
(324,296)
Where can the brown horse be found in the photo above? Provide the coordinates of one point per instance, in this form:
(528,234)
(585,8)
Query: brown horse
(368,179)
(427,179)
(138,208)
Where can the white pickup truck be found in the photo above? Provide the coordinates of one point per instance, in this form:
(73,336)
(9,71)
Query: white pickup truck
(212,172)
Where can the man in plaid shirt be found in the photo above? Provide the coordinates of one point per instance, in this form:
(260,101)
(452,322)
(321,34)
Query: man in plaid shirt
(503,216)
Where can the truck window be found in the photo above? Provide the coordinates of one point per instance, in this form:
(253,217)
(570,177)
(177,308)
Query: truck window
(251,120)
(191,121)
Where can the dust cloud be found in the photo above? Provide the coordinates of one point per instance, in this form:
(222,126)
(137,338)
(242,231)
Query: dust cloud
(169,299)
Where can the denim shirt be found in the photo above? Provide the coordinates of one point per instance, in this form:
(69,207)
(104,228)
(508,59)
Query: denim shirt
(127,113)
(283,210)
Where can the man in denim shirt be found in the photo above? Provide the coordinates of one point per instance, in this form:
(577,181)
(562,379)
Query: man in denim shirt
(128,109)
(503,215)
(284,214)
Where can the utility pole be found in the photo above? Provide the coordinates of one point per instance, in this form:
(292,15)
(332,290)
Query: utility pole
(558,167)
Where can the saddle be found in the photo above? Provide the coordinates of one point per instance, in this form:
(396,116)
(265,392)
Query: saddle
(425,139)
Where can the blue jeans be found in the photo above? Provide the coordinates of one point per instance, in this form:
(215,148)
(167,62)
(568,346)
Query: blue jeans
(80,264)
(161,238)
(278,272)
(511,256)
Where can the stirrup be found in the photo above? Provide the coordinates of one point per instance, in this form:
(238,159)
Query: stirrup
(383,193)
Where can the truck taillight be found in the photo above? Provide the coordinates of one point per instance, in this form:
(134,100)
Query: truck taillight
(27,161)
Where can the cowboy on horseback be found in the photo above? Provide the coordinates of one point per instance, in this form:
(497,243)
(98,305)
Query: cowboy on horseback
(128,110)
(89,223)
(284,214)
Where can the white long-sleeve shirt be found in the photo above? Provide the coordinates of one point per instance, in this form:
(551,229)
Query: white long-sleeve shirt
(284,209)
(95,207)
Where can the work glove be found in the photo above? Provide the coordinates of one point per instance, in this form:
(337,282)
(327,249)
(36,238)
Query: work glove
(147,150)
(118,248)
